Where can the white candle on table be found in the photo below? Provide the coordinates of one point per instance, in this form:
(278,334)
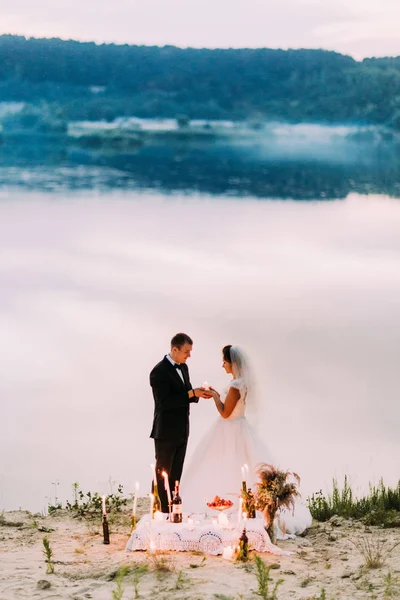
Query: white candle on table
(135,499)
(153,468)
(151,505)
(167,488)
(227,553)
(240,509)
(103,504)
(223,520)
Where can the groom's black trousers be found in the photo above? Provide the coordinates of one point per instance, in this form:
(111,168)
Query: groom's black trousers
(170,456)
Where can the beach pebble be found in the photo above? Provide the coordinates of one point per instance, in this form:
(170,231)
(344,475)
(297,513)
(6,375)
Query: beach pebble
(43,584)
(336,521)
(346,574)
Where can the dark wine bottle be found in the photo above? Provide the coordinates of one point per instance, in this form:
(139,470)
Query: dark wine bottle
(251,505)
(243,547)
(106,533)
(177,505)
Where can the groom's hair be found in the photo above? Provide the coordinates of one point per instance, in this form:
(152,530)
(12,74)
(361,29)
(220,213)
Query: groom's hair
(180,339)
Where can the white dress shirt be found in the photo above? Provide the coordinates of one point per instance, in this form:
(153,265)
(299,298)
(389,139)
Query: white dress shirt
(178,370)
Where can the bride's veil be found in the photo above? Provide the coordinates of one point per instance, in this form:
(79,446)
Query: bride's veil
(241,370)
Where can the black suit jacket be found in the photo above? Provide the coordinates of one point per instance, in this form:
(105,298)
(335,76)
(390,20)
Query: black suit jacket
(171,402)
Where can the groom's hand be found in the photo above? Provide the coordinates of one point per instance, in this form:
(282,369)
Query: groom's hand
(202,393)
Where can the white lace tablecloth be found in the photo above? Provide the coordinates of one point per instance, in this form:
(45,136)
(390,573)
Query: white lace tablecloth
(204,534)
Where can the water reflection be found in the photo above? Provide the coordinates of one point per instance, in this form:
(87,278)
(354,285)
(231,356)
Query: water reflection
(324,171)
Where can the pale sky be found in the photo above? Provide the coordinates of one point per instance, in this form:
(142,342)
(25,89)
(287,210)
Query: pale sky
(357,27)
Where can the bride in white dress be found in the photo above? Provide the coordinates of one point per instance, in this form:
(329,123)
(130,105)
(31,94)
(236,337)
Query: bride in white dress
(215,468)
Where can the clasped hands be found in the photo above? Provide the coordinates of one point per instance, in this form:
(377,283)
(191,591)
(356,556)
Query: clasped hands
(205,391)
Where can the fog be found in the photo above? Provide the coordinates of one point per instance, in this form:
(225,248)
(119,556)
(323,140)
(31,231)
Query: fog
(93,286)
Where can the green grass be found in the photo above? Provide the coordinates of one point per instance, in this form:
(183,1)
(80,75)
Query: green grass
(375,550)
(48,553)
(380,507)
(265,581)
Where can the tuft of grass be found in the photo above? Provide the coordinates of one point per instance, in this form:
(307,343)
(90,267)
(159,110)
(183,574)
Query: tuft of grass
(264,580)
(89,504)
(118,593)
(162,562)
(374,550)
(223,597)
(380,507)
(139,571)
(390,582)
(48,553)
(181,581)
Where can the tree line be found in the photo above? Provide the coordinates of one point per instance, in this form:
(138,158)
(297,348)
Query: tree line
(91,81)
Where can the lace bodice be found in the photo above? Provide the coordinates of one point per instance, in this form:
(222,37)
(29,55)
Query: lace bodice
(240,408)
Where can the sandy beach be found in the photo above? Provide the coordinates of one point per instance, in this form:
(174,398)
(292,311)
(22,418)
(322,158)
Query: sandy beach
(326,563)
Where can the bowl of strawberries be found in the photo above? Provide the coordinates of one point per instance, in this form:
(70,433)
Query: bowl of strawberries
(220,504)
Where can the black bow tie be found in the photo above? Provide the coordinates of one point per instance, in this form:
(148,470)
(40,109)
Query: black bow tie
(178,366)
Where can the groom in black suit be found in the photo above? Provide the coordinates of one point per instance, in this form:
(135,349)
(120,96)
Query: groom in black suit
(173,394)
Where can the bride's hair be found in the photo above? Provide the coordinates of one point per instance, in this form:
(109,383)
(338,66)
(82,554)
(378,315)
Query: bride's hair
(226,353)
(236,357)
(241,370)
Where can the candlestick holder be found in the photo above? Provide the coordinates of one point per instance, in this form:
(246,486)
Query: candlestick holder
(106,533)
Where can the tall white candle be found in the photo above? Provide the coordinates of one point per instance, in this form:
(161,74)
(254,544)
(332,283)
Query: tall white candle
(151,505)
(103,505)
(153,468)
(135,499)
(240,509)
(167,488)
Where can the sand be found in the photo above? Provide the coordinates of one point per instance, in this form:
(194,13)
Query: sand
(326,558)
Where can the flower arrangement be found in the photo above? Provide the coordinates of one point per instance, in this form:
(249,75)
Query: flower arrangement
(274,491)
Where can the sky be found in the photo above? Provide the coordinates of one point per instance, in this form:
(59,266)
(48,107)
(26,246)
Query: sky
(360,28)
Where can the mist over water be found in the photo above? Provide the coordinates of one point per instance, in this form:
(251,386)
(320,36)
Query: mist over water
(93,286)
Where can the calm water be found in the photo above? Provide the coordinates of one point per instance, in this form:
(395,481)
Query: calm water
(94,284)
